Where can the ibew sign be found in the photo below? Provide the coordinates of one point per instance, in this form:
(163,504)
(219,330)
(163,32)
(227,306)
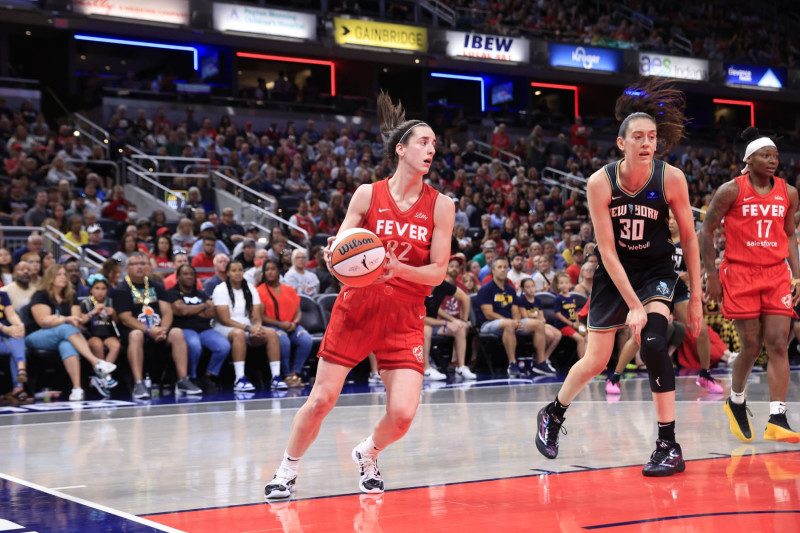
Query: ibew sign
(483,46)
(584,57)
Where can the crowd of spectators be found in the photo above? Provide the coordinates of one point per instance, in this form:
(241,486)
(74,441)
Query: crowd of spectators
(713,29)
(742,30)
(51,178)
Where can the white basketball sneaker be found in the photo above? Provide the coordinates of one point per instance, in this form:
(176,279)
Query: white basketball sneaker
(371,481)
(282,485)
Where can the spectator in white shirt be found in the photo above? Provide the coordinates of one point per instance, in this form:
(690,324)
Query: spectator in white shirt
(301,280)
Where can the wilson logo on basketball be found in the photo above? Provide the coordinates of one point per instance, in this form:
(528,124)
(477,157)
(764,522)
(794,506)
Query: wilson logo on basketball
(353,244)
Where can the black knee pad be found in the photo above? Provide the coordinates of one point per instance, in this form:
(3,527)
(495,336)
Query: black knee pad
(655,353)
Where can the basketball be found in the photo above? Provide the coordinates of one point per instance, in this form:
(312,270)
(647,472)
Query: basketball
(357,257)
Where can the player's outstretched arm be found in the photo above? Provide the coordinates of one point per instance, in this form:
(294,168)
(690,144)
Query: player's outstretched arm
(788,226)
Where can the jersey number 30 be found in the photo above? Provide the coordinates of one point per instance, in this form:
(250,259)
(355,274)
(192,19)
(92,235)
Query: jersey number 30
(632,230)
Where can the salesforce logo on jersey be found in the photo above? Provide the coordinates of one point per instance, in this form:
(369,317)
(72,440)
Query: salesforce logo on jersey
(481,46)
(683,68)
(584,57)
(767,77)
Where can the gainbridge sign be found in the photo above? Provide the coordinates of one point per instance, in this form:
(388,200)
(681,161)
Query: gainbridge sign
(381,34)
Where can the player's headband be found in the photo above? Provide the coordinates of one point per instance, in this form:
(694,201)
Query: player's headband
(754,146)
(758,144)
(403,138)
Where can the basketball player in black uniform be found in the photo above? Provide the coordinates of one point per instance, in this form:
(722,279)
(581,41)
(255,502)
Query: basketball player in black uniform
(629,204)
(680,303)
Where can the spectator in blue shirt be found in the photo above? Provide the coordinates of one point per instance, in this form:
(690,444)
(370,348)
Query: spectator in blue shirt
(497,301)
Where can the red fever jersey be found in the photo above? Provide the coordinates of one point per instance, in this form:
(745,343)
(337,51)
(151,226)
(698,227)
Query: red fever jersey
(407,233)
(754,232)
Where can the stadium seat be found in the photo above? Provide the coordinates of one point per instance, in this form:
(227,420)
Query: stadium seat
(580,300)
(488,343)
(320,239)
(326,302)
(548,301)
(110,244)
(109,226)
(312,319)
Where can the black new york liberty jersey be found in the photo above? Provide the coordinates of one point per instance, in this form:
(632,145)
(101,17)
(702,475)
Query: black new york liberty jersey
(640,220)
(677,257)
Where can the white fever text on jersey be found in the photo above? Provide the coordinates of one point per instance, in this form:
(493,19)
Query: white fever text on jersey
(761,210)
(390,228)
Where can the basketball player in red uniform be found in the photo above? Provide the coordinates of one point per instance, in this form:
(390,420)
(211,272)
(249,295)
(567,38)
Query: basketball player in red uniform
(757,288)
(415,223)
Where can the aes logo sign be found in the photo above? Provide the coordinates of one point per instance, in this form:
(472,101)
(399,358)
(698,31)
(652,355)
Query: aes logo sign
(684,68)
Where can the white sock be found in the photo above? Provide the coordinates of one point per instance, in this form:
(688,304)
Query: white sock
(737,397)
(777,408)
(290,463)
(275,368)
(238,369)
(368,447)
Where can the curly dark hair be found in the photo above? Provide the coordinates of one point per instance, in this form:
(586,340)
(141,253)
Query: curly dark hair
(659,101)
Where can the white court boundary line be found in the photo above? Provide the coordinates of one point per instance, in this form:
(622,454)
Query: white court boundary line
(290,409)
(87,503)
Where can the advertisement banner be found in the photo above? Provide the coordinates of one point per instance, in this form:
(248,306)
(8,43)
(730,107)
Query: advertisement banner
(380,34)
(585,57)
(264,21)
(482,46)
(169,11)
(771,77)
(682,68)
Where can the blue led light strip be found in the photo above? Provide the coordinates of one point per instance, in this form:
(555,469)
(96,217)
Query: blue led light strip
(145,44)
(468,78)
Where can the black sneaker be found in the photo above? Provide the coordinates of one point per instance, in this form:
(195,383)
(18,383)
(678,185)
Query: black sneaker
(207,383)
(549,426)
(739,421)
(667,459)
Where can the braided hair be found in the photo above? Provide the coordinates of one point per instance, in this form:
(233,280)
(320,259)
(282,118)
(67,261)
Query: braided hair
(248,298)
(654,99)
(395,129)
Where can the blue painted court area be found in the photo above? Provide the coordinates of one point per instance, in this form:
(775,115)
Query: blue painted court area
(28,508)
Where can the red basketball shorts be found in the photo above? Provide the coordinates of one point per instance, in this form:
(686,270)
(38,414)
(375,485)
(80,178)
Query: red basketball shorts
(749,291)
(373,319)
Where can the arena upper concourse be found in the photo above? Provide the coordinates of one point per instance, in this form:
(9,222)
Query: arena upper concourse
(139,136)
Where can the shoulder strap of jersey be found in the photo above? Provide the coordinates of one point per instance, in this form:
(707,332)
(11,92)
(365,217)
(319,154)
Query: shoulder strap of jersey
(376,190)
(611,173)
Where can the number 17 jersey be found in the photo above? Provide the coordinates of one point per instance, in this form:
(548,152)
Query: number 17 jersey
(754,225)
(640,219)
(406,233)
